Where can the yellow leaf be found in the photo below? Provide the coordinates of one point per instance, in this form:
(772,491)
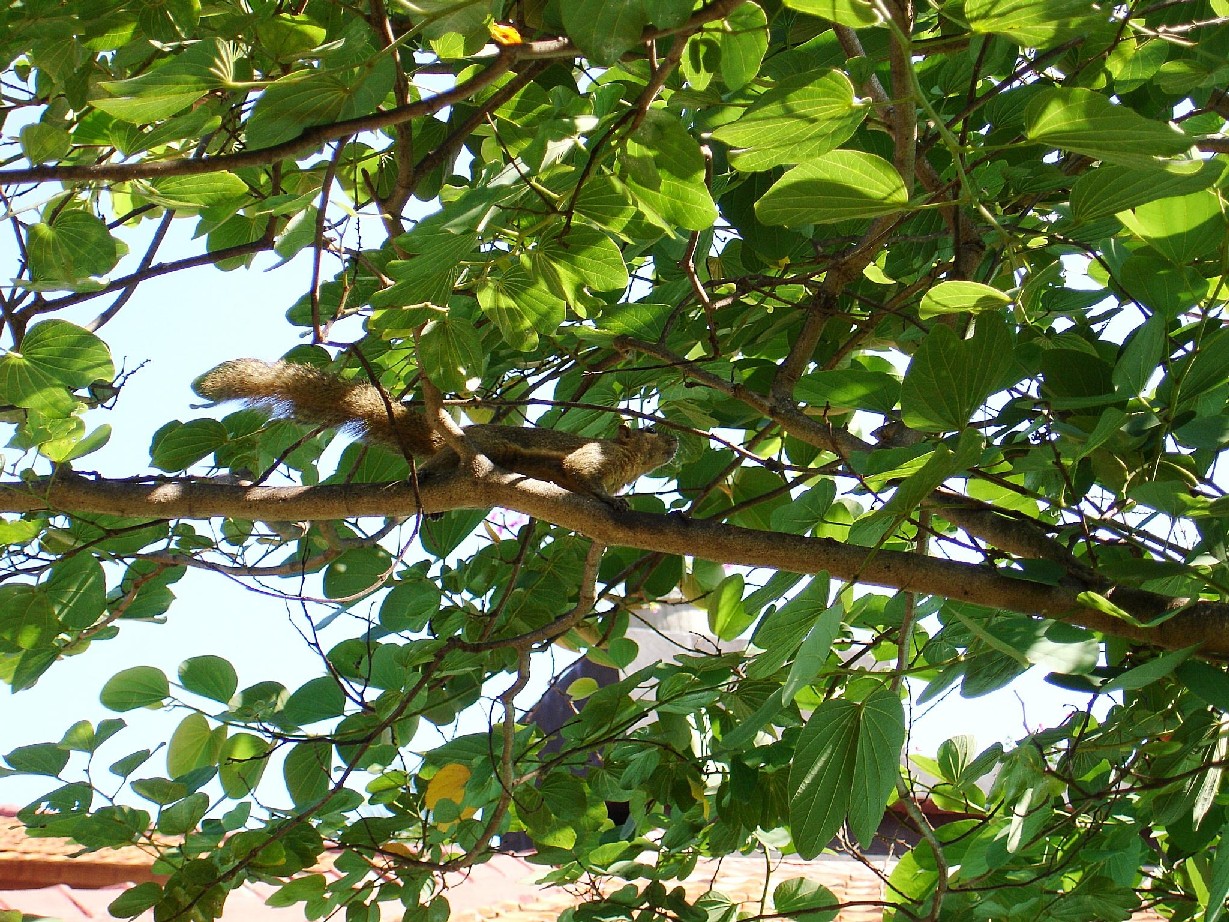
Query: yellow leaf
(400,848)
(505,35)
(698,792)
(447,784)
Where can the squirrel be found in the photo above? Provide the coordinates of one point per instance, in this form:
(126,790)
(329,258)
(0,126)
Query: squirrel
(595,467)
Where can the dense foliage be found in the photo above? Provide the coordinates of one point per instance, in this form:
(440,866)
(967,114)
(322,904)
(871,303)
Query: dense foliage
(932,296)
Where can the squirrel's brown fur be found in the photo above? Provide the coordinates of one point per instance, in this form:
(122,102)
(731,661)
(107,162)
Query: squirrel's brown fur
(598,467)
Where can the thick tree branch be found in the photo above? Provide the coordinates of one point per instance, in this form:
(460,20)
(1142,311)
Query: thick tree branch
(1013,535)
(1190,623)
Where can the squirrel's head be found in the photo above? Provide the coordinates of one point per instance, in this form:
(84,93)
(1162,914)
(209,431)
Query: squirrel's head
(652,447)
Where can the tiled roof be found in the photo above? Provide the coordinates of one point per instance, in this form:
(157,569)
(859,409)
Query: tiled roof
(504,888)
(51,878)
(29,862)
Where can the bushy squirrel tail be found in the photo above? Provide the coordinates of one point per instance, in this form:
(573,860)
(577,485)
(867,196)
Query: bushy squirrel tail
(316,396)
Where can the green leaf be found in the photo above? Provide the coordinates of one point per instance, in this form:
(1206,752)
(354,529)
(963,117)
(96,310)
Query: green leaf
(520,307)
(317,699)
(194,744)
(297,101)
(182,817)
(780,634)
(798,120)
(286,36)
(1032,23)
(857,14)
(410,604)
(1140,357)
(1196,374)
(74,246)
(77,590)
(1181,228)
(847,760)
(604,29)
(814,651)
(165,90)
(743,41)
(84,737)
(195,192)
(942,464)
(306,772)
(582,259)
(20,531)
(357,572)
(663,166)
(428,275)
(1109,189)
(804,514)
(301,889)
(128,764)
(210,676)
(1149,672)
(161,791)
(1158,284)
(821,778)
(805,900)
(452,354)
(745,732)
(75,445)
(169,20)
(44,143)
(244,759)
(138,687)
(448,19)
(950,378)
(27,619)
(844,184)
(1207,681)
(608,203)
(727,617)
(136,900)
(38,759)
(442,536)
(961,297)
(1218,883)
(853,388)
(177,446)
(1086,122)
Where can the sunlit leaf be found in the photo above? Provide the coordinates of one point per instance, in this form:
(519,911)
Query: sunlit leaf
(842,185)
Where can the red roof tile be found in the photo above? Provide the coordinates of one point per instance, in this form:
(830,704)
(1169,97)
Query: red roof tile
(53,879)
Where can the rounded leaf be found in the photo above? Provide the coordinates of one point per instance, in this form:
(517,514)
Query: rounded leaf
(135,901)
(856,14)
(77,590)
(177,446)
(798,120)
(54,355)
(138,687)
(245,757)
(960,298)
(210,676)
(307,772)
(1087,122)
(727,616)
(193,744)
(845,184)
(448,784)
